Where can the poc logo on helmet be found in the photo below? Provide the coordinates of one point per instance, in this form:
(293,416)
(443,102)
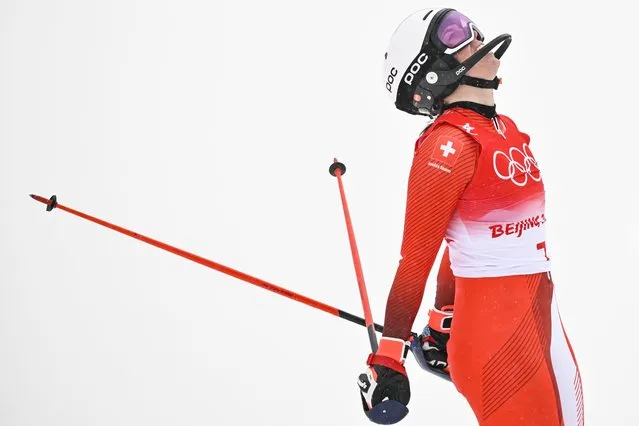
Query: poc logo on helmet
(461,70)
(414,68)
(391,79)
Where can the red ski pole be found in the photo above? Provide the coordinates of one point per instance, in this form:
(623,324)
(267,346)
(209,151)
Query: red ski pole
(52,203)
(337,169)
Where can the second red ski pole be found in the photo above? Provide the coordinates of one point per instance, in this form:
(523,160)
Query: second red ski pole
(337,169)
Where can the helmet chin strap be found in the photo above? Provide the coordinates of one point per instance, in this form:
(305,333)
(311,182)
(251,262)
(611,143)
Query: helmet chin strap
(458,74)
(480,82)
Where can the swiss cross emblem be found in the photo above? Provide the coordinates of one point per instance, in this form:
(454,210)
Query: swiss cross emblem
(447,150)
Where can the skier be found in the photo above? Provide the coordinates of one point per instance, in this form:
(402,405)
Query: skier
(474,182)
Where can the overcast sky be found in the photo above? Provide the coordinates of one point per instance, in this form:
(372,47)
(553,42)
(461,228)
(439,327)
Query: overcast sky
(210,125)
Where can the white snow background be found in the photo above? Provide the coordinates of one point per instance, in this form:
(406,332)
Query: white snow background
(210,125)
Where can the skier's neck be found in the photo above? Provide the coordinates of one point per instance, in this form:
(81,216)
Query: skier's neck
(472,94)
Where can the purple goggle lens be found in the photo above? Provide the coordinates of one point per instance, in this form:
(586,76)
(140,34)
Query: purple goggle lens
(456,29)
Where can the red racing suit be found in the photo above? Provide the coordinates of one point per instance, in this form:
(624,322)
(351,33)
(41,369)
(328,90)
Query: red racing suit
(475,183)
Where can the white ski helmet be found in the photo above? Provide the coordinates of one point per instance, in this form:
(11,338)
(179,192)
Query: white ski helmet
(420,69)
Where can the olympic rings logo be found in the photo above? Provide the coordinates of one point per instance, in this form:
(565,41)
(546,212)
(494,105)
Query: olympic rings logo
(519,168)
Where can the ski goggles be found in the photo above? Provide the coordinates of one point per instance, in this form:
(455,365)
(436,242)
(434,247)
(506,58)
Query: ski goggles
(455,31)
